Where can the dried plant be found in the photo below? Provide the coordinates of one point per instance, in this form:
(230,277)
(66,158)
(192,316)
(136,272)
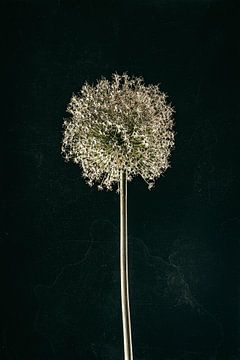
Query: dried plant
(117,130)
(116,125)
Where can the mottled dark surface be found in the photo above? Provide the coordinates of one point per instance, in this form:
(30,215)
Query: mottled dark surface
(60,296)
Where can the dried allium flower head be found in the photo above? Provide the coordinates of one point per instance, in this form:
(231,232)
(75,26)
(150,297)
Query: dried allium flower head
(117,125)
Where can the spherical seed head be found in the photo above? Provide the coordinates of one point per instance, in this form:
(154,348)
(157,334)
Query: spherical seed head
(117,125)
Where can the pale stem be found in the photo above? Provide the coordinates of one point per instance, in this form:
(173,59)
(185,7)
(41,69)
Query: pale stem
(126,320)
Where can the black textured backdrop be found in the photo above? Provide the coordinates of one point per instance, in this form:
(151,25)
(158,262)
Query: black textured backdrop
(60,297)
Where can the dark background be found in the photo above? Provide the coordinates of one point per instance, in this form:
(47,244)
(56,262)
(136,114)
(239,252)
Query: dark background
(60,296)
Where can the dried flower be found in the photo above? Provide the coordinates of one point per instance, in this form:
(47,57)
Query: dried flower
(116,125)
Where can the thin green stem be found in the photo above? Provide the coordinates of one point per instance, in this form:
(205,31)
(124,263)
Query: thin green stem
(126,320)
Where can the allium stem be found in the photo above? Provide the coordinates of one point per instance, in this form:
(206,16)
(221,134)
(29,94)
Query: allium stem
(126,320)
